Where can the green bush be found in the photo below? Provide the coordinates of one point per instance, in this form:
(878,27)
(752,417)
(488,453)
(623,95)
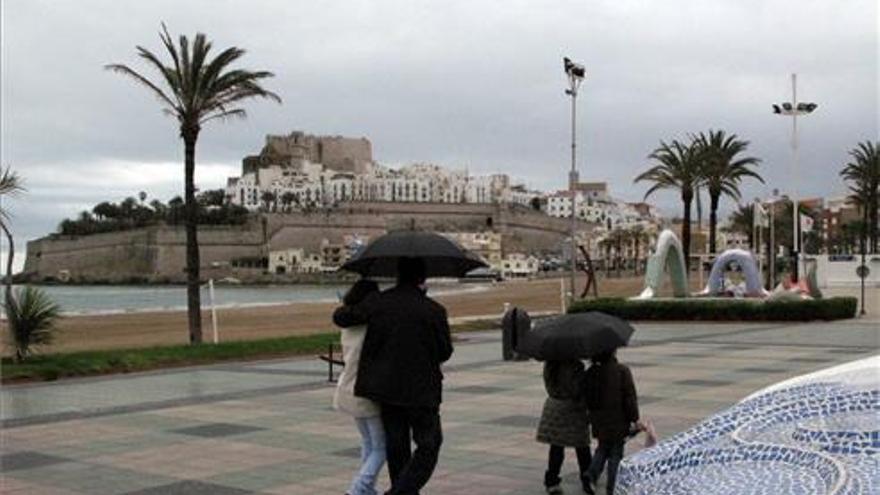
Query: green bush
(835,308)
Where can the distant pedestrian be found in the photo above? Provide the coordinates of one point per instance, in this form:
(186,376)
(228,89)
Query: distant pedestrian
(564,420)
(366,413)
(614,414)
(407,340)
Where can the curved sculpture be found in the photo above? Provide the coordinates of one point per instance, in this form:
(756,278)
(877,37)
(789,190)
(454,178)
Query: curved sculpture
(814,434)
(748,264)
(668,256)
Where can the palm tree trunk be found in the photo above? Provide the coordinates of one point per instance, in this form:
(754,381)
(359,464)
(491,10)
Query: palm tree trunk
(687,198)
(193,294)
(873,225)
(9,258)
(713,220)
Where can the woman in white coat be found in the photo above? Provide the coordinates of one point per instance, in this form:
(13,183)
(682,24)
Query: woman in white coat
(366,413)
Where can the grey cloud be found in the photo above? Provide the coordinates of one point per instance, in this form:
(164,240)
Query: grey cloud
(474,84)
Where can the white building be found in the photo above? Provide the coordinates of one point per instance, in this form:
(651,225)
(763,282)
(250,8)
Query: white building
(305,185)
(519,265)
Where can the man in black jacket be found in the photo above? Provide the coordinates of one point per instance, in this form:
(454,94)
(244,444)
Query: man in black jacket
(407,340)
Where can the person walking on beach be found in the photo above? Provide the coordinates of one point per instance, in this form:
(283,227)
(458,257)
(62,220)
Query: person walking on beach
(564,420)
(614,414)
(406,342)
(366,413)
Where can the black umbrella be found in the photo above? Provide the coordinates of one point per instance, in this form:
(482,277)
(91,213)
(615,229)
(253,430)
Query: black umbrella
(443,257)
(575,336)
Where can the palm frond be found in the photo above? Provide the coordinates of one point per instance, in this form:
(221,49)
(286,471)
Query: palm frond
(157,92)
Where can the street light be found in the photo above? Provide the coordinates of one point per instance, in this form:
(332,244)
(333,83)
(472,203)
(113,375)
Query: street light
(794,109)
(575,73)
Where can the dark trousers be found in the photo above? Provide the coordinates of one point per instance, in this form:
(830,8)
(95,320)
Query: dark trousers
(610,453)
(554,463)
(410,471)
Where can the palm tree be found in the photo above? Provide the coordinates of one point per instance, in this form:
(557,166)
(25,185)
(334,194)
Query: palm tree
(287,199)
(197,91)
(31,316)
(742,221)
(863,176)
(723,171)
(678,168)
(10,185)
(639,235)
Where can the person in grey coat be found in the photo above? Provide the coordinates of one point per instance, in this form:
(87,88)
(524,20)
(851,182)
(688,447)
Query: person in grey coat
(564,420)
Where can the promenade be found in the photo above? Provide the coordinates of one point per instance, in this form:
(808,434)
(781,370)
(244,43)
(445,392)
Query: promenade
(267,427)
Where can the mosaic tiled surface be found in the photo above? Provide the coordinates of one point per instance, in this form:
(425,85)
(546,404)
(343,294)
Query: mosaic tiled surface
(268,428)
(819,435)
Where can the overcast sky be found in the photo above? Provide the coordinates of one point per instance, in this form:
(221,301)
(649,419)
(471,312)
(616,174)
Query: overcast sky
(459,83)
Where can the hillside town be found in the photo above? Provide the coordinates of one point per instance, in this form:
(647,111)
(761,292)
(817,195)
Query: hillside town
(305,173)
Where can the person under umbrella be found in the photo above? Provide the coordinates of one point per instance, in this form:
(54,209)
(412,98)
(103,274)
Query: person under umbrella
(407,340)
(564,420)
(614,415)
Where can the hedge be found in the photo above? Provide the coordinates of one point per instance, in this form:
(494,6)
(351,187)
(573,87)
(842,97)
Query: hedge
(835,308)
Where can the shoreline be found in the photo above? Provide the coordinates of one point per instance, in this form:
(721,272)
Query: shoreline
(148,329)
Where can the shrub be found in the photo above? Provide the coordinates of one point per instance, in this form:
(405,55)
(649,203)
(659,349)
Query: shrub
(32,317)
(834,308)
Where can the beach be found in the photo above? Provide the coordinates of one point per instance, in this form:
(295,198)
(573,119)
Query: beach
(143,329)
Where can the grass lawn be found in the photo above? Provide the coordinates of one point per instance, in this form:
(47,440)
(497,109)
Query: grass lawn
(44,367)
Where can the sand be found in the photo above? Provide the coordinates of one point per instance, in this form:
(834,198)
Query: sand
(92,332)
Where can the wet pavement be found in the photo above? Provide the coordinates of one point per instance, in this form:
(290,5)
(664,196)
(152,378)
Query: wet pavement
(268,427)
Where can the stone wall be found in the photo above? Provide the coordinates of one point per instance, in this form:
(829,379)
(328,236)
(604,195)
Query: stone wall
(155,254)
(158,254)
(522,229)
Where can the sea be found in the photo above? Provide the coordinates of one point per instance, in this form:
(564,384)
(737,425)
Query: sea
(115,299)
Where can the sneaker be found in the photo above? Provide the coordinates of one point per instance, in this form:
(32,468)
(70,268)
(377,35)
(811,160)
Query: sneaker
(554,490)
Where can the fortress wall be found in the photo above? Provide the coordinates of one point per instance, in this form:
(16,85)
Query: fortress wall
(159,253)
(522,230)
(152,253)
(217,245)
(113,256)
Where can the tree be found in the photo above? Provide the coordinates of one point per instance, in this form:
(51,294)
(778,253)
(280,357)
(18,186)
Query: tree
(32,316)
(863,177)
(722,172)
(742,221)
(10,185)
(678,168)
(106,210)
(268,198)
(287,199)
(639,235)
(198,89)
(213,197)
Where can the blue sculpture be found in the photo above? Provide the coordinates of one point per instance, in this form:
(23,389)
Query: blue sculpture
(748,265)
(816,434)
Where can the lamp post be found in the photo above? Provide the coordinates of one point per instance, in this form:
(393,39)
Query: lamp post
(575,73)
(794,109)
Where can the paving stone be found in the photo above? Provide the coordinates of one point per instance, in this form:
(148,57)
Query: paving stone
(28,460)
(267,437)
(476,389)
(353,452)
(217,430)
(516,420)
(704,383)
(190,487)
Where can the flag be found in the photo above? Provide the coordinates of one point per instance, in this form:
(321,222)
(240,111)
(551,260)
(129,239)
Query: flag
(806,223)
(759,215)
